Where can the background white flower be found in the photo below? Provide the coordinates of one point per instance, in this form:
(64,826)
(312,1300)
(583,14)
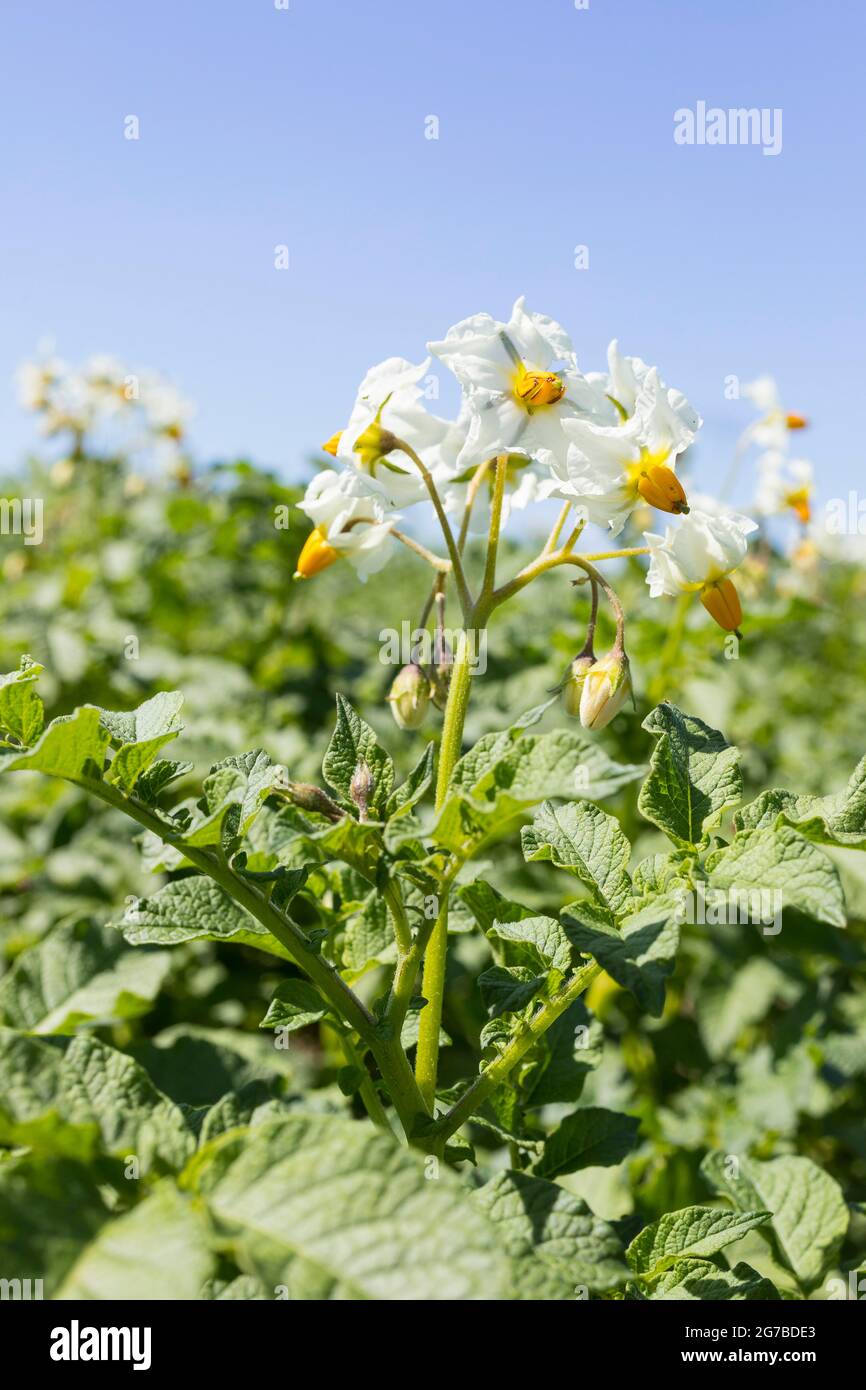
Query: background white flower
(702,549)
(352,515)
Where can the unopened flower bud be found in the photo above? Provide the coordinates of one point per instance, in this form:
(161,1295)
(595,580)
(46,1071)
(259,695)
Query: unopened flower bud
(660,486)
(309,798)
(373,443)
(606,687)
(361,787)
(409,697)
(316,555)
(574,681)
(722,602)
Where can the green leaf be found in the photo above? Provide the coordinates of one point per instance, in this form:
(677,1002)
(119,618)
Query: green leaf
(506,774)
(704,1281)
(487,904)
(50,1210)
(564,1056)
(158,1251)
(416,784)
(837,819)
(639,956)
(694,776)
(588,1138)
(80,974)
(296,1004)
(508,989)
(72,747)
(244,782)
(780,860)
(369,938)
(22,714)
(194,909)
(351,741)
(692,1233)
(553,1240)
(588,843)
(83,1098)
(140,734)
(372,1224)
(539,943)
(809,1214)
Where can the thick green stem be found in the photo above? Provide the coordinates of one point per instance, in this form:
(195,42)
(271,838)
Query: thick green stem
(433,983)
(497,1072)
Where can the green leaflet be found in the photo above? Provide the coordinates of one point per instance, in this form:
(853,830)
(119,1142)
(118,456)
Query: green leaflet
(838,819)
(22,715)
(702,1281)
(553,1240)
(539,943)
(77,975)
(780,860)
(195,909)
(694,776)
(158,1251)
(351,741)
(413,788)
(50,1210)
(508,989)
(692,1233)
(296,1004)
(639,955)
(140,734)
(85,1098)
(588,843)
(808,1210)
(563,1057)
(506,774)
(590,1137)
(72,747)
(371,1224)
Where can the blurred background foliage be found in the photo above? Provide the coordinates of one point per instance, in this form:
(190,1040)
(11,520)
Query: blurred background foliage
(181,577)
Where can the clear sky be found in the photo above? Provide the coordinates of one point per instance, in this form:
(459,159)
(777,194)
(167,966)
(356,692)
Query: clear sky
(262,126)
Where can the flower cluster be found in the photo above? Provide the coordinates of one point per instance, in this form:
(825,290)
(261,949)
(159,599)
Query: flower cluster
(103,407)
(531,426)
(785,483)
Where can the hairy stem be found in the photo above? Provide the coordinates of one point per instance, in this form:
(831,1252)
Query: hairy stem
(498,1070)
(390,1057)
(495,524)
(433,983)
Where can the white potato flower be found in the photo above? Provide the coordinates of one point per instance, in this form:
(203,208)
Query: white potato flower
(697,556)
(608,469)
(352,517)
(784,485)
(521,381)
(389,401)
(773,427)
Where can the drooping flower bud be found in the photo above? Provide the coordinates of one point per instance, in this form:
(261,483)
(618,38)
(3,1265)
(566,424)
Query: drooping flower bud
(316,555)
(660,486)
(575,677)
(606,687)
(722,602)
(361,787)
(310,798)
(409,697)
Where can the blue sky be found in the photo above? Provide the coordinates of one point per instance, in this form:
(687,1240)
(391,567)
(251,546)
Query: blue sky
(306,127)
